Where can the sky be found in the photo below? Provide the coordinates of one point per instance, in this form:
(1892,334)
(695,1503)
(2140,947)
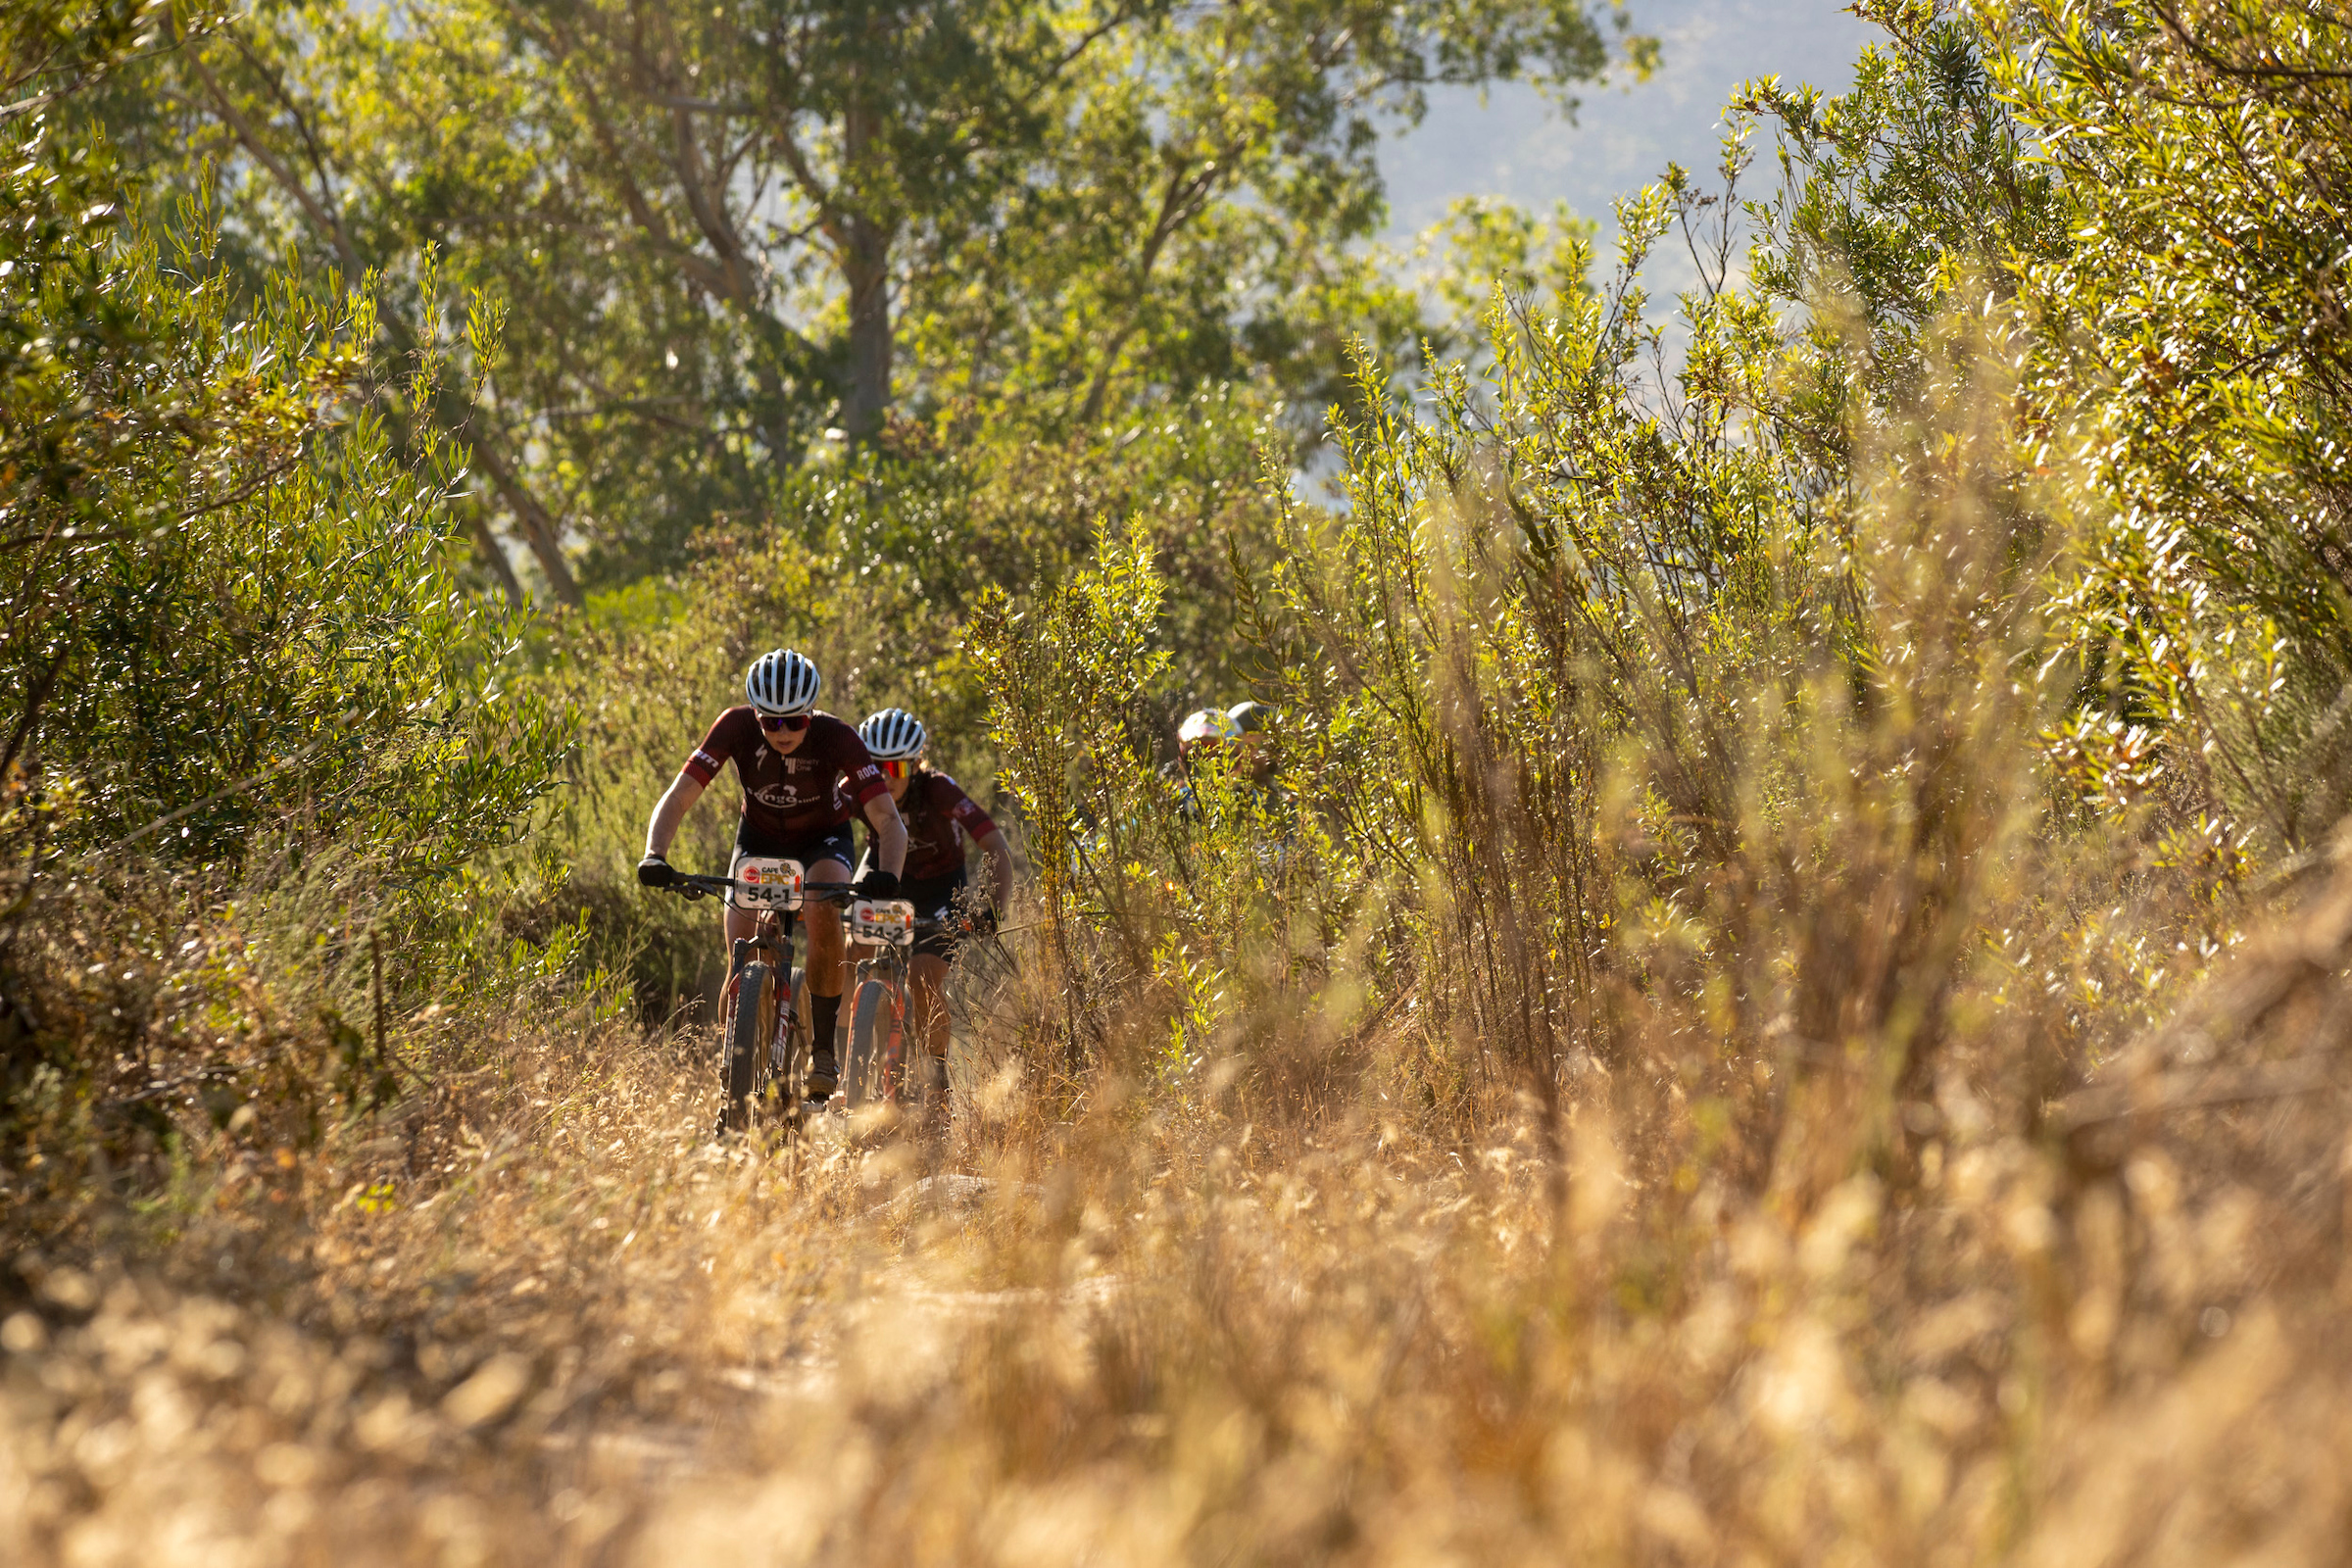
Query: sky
(1518,144)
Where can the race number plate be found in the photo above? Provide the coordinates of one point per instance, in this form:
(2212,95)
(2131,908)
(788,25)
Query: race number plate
(767,884)
(887,921)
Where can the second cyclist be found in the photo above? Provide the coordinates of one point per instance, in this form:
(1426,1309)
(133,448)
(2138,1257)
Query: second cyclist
(940,819)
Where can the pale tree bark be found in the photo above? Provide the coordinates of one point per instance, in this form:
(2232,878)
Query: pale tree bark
(494,555)
(731,272)
(1190,188)
(539,530)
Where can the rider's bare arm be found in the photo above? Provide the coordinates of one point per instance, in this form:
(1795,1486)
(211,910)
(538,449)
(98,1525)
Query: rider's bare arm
(671,809)
(1000,867)
(890,833)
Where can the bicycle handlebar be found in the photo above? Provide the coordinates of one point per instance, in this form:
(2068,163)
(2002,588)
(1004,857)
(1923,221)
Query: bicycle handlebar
(695,885)
(692,885)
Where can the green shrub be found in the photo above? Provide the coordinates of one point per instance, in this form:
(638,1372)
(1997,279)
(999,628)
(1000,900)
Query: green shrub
(255,709)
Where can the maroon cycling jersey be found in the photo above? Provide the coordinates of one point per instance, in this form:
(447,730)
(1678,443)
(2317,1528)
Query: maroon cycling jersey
(935,810)
(786,797)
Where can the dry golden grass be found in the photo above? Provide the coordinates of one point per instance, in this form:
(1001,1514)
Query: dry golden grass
(537,1317)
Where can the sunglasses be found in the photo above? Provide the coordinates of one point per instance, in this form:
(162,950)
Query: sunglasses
(897,769)
(793,723)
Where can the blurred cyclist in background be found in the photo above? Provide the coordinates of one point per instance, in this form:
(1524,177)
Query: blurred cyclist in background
(1253,741)
(1202,740)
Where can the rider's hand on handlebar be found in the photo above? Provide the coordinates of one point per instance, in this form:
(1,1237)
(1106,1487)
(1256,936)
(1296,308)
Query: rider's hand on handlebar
(878,884)
(656,872)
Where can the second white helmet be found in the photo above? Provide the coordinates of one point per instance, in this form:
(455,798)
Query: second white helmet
(782,682)
(893,734)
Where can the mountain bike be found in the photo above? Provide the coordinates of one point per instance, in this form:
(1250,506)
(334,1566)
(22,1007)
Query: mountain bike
(763,1022)
(876,1068)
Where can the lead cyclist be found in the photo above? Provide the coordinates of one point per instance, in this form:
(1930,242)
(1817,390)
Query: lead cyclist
(801,770)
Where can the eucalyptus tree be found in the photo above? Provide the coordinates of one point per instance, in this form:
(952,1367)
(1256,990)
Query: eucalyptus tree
(724,233)
(1192,222)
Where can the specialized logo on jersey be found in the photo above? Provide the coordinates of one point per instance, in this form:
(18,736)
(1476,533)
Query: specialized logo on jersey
(788,794)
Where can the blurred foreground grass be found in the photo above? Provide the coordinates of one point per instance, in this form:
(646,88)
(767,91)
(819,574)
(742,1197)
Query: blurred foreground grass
(534,1316)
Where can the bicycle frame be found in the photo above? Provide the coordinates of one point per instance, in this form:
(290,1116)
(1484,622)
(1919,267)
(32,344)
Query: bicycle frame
(765,1050)
(876,1065)
(876,1068)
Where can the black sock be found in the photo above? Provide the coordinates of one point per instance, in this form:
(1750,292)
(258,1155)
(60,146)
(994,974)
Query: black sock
(822,1013)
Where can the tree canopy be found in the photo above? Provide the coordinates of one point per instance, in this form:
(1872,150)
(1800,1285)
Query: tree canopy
(723,238)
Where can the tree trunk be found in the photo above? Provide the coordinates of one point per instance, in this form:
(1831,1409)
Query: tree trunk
(538,528)
(494,556)
(866,267)
(866,398)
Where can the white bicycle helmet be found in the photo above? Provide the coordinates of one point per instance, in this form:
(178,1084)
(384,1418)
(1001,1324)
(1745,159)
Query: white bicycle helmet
(1250,717)
(782,682)
(892,735)
(1206,724)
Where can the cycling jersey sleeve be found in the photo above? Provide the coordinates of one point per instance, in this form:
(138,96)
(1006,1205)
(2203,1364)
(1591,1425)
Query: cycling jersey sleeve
(976,823)
(718,745)
(858,774)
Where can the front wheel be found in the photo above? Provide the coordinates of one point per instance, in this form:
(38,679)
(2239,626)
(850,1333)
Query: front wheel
(747,1030)
(788,1056)
(874,1042)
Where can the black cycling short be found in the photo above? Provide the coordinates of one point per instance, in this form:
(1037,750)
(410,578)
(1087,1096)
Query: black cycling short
(932,898)
(826,844)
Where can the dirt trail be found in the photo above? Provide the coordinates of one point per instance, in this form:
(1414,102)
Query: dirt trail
(903,1308)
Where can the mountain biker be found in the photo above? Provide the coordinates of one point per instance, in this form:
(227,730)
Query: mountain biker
(801,772)
(1229,773)
(1204,732)
(1253,741)
(1204,737)
(939,818)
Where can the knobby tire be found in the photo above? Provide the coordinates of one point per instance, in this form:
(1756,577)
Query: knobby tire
(791,1077)
(872,1024)
(747,1041)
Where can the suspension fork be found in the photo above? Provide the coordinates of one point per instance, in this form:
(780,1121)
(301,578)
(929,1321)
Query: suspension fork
(788,1007)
